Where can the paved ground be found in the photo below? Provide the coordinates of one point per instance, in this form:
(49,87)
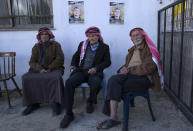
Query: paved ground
(169,118)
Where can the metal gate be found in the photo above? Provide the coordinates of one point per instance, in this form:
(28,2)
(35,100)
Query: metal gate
(175,44)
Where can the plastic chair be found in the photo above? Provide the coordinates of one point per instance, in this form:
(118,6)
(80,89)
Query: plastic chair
(85,85)
(129,97)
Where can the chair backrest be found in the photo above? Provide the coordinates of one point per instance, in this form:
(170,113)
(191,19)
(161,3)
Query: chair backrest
(7,65)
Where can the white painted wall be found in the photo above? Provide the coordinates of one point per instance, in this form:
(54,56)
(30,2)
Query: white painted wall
(138,13)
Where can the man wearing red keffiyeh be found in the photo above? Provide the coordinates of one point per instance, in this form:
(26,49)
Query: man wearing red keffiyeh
(43,82)
(141,70)
(88,63)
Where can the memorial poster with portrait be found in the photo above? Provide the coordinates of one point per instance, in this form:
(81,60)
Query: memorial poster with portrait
(116,13)
(76,11)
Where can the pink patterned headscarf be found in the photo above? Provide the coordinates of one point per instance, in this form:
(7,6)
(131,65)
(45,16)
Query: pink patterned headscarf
(155,53)
(95,31)
(91,30)
(45,29)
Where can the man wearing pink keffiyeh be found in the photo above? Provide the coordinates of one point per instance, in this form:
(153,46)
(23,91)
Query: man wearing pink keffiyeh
(142,69)
(88,63)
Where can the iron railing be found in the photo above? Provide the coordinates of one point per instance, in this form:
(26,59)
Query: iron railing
(175,44)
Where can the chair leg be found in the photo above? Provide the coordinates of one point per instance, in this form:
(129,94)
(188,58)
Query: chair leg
(104,92)
(150,109)
(17,88)
(104,89)
(126,105)
(83,93)
(0,92)
(7,94)
(132,102)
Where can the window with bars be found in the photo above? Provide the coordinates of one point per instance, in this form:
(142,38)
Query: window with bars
(169,19)
(24,14)
(188,16)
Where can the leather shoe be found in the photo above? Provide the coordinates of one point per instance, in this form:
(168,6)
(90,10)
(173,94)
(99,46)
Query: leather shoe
(30,109)
(66,121)
(89,108)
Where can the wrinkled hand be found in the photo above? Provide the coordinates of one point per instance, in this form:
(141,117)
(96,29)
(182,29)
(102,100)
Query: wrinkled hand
(123,70)
(92,71)
(43,71)
(72,68)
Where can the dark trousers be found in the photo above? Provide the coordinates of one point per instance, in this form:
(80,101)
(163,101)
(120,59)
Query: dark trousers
(94,82)
(120,84)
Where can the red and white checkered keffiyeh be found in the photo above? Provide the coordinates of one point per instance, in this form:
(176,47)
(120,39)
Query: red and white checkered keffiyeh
(155,54)
(91,30)
(45,29)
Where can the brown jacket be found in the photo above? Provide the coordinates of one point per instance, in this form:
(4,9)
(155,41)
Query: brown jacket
(147,68)
(54,57)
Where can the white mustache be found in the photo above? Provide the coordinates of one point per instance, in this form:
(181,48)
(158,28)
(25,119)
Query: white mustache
(138,41)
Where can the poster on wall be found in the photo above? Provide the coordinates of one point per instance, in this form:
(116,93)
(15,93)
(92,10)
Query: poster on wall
(76,11)
(116,13)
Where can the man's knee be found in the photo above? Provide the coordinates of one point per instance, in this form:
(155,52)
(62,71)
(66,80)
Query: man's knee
(95,81)
(113,78)
(26,76)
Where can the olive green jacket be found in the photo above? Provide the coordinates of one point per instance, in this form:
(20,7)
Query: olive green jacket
(54,57)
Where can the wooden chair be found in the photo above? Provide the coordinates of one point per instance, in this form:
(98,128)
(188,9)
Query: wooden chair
(7,71)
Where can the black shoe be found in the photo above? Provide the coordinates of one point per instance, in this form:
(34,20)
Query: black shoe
(89,108)
(66,121)
(56,109)
(30,109)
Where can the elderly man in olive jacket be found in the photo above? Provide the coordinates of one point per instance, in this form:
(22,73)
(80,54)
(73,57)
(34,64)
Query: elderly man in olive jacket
(43,83)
